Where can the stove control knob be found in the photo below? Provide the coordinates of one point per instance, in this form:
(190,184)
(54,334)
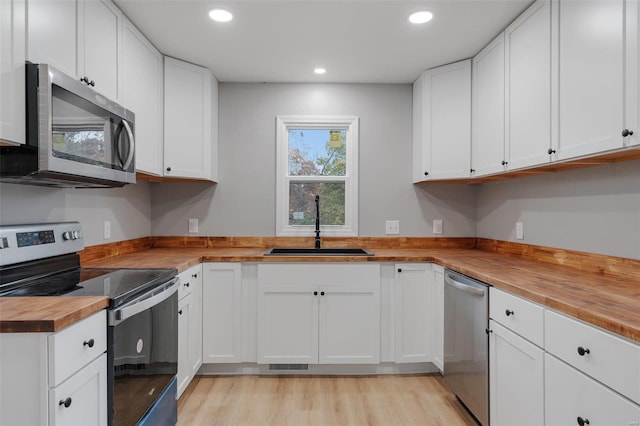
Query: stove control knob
(66,235)
(76,235)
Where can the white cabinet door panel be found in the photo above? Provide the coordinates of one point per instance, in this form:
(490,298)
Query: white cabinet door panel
(438,317)
(413,314)
(183,344)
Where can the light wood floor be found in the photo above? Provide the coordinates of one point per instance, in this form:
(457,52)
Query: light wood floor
(320,400)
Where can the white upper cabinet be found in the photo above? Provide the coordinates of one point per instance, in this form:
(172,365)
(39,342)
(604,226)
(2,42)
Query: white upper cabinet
(189,135)
(528,87)
(442,123)
(12,70)
(143,85)
(81,38)
(488,109)
(597,76)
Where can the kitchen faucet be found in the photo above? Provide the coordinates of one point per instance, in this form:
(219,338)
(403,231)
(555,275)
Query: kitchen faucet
(317,221)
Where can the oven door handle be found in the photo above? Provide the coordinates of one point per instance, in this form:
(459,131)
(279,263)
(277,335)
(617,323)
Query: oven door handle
(144,302)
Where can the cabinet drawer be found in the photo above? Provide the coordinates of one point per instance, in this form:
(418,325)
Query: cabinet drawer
(76,346)
(187,279)
(518,315)
(601,355)
(570,395)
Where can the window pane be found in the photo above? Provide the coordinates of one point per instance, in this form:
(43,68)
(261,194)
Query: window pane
(317,152)
(302,207)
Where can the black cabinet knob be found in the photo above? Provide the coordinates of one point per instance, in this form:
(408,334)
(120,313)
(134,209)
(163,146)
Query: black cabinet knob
(488,330)
(582,421)
(582,351)
(168,169)
(551,151)
(627,132)
(399,269)
(186,284)
(322,293)
(85,79)
(180,312)
(509,313)
(65,402)
(426,173)
(89,343)
(315,293)
(472,170)
(504,163)
(194,276)
(92,83)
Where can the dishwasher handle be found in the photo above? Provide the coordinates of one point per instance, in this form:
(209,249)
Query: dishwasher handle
(144,302)
(474,291)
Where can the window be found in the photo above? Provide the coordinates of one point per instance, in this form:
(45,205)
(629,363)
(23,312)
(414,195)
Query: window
(317,156)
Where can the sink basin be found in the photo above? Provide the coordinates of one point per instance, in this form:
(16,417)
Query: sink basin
(292,251)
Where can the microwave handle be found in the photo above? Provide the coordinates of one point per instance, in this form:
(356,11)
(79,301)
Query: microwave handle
(132,145)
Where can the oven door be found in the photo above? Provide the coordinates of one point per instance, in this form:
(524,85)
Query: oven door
(143,355)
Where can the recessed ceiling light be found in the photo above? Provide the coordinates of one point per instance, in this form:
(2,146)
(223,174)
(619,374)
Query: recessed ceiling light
(320,70)
(220,15)
(420,17)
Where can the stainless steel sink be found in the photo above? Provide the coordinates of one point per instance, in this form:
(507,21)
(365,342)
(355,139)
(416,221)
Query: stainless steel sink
(292,251)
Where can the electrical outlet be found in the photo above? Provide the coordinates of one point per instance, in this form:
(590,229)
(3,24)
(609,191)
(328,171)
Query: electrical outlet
(392,227)
(193,226)
(107,229)
(437,226)
(519,231)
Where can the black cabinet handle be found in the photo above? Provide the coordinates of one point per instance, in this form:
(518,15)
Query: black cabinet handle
(89,343)
(551,151)
(582,351)
(426,173)
(322,293)
(168,169)
(399,269)
(582,421)
(65,402)
(180,312)
(509,313)
(315,293)
(504,163)
(627,132)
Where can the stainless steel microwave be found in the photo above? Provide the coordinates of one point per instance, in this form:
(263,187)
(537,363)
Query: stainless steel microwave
(75,136)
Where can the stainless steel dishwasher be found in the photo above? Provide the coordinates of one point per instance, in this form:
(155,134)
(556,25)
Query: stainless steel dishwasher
(466,345)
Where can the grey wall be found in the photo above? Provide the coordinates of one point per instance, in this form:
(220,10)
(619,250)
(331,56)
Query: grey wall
(128,209)
(243,203)
(595,209)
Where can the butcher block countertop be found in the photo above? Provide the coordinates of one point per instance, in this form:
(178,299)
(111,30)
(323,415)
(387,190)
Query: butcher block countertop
(601,290)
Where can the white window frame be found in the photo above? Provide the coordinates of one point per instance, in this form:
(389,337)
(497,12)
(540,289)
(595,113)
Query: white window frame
(348,123)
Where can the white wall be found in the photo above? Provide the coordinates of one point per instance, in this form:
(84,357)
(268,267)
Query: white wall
(128,209)
(243,203)
(595,209)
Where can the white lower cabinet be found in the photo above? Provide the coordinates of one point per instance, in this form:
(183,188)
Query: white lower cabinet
(55,378)
(318,313)
(516,379)
(222,316)
(189,326)
(574,398)
(413,294)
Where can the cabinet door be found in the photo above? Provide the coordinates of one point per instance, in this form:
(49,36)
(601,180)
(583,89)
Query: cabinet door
(413,315)
(287,323)
(570,395)
(52,33)
(100,46)
(12,70)
(187,120)
(528,87)
(632,90)
(445,122)
(349,324)
(222,318)
(516,379)
(591,70)
(195,321)
(82,399)
(184,370)
(438,316)
(143,86)
(487,136)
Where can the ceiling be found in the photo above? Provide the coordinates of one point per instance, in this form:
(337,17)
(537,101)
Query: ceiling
(363,41)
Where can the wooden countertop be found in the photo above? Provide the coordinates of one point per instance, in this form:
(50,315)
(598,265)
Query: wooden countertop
(602,300)
(605,300)
(46,314)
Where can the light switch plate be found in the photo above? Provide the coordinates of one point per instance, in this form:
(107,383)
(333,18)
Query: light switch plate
(392,227)
(193,226)
(519,231)
(107,229)
(437,226)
